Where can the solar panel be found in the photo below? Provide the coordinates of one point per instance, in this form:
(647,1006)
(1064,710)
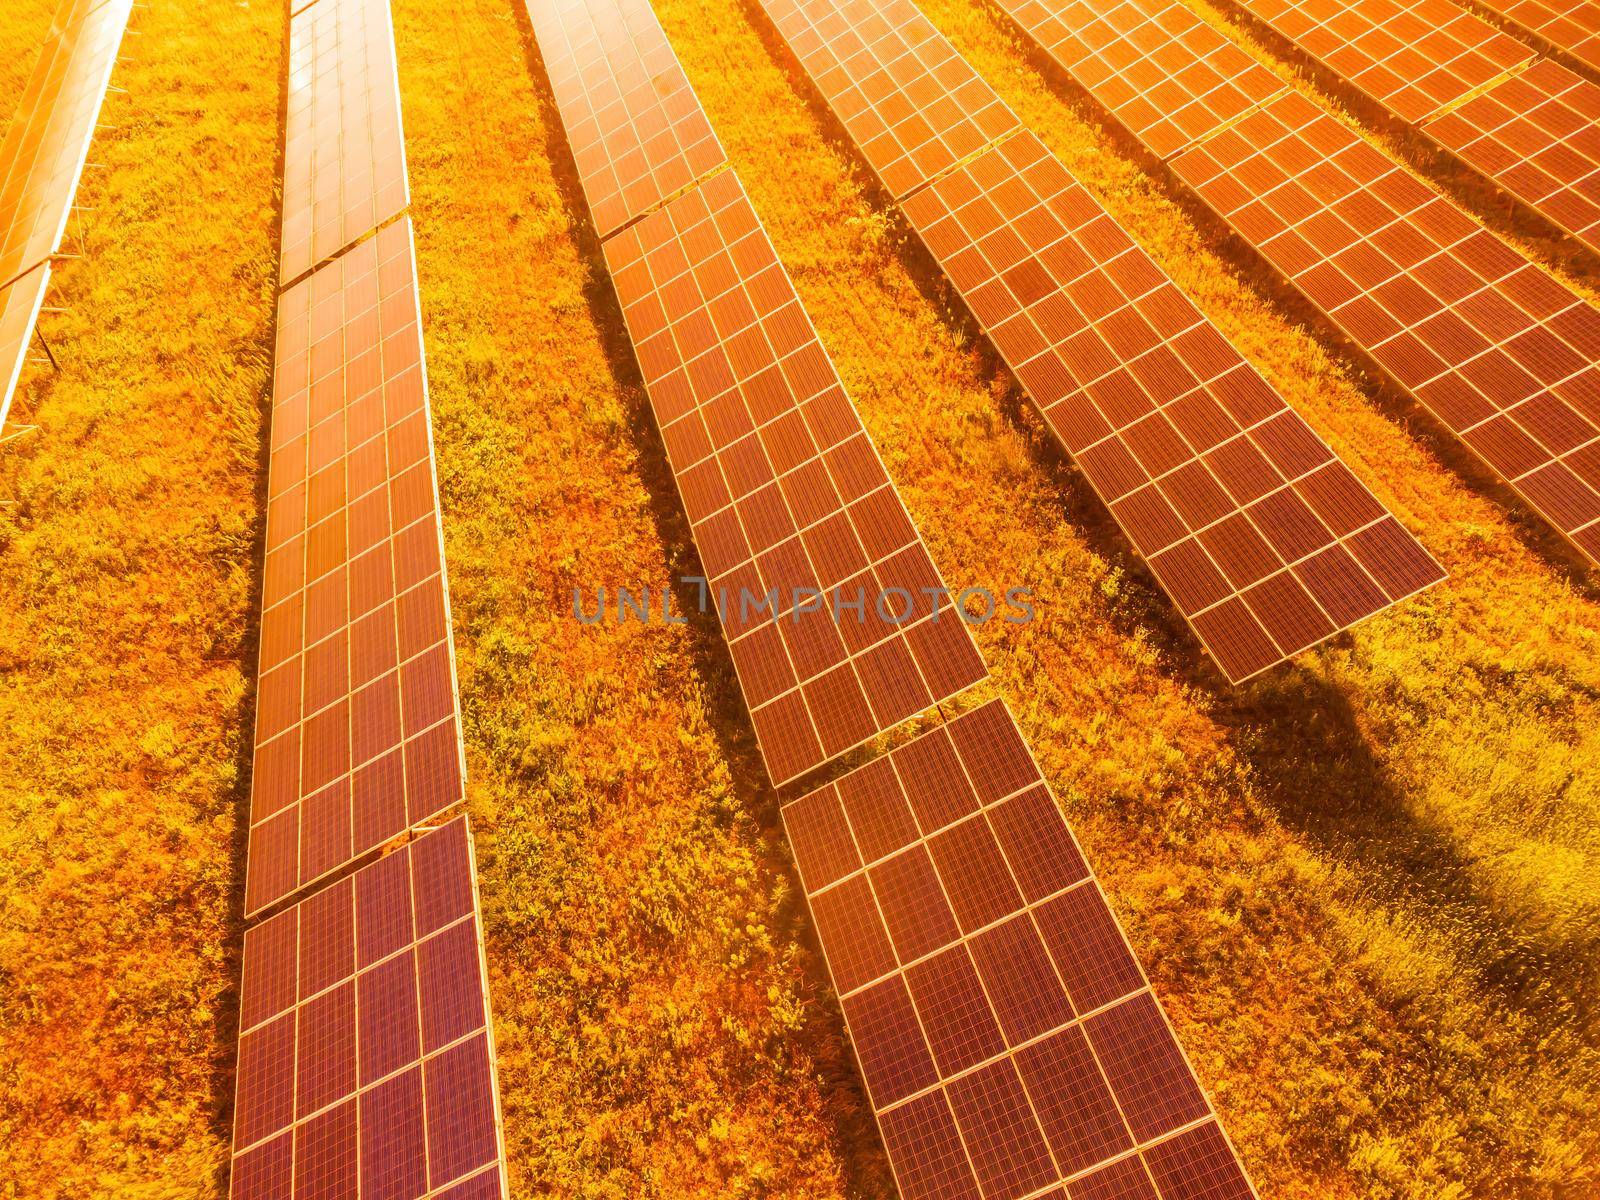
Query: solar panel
(1536,136)
(46,145)
(1570,25)
(1528,125)
(1008,1038)
(344,161)
(784,489)
(1498,351)
(19,310)
(1412,57)
(635,127)
(366,1060)
(357,737)
(1264,540)
(1501,353)
(918,111)
(1167,76)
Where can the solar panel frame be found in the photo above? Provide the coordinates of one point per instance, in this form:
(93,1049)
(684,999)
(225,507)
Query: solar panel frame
(1175,431)
(45,149)
(636,130)
(20,302)
(357,721)
(783,488)
(968,1100)
(364,1029)
(1534,135)
(344,161)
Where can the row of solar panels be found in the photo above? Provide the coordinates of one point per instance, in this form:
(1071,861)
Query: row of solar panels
(366,1057)
(41,161)
(1007,1037)
(1499,351)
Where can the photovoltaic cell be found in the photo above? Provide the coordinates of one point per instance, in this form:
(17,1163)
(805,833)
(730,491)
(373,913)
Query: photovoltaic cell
(918,110)
(784,490)
(344,162)
(1528,125)
(1500,352)
(357,737)
(635,126)
(20,302)
(1218,484)
(366,1063)
(1006,1048)
(47,143)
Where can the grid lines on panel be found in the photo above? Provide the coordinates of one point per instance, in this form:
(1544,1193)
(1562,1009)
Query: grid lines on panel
(344,165)
(1007,1037)
(908,100)
(1502,354)
(1499,351)
(357,735)
(365,1056)
(801,533)
(1526,123)
(636,129)
(1218,484)
(47,144)
(20,302)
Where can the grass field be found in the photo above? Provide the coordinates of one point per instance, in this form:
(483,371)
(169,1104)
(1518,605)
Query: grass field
(1366,886)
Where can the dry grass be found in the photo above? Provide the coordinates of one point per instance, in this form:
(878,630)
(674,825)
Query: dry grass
(1366,886)
(128,564)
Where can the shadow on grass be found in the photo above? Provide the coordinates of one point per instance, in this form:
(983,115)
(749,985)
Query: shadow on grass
(730,724)
(1316,770)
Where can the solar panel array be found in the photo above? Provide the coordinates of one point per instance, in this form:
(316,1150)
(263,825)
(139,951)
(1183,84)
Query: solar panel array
(344,164)
(784,490)
(635,127)
(41,160)
(357,733)
(1412,57)
(1008,1038)
(1527,123)
(366,1059)
(1264,540)
(366,1065)
(1536,136)
(1570,25)
(1500,352)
